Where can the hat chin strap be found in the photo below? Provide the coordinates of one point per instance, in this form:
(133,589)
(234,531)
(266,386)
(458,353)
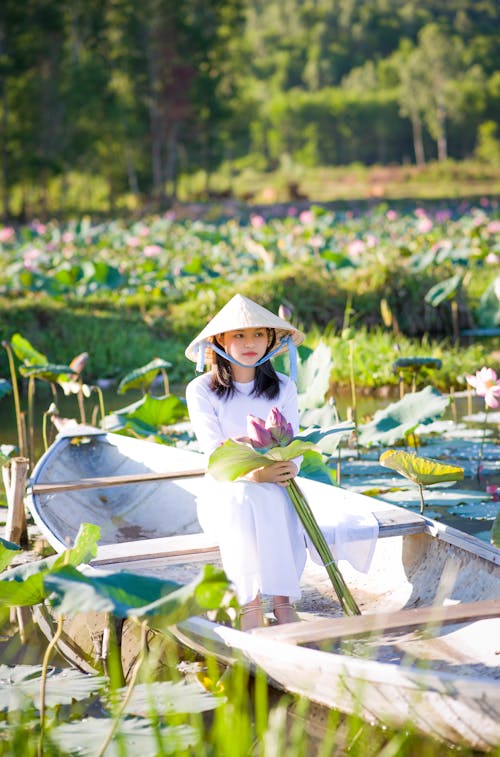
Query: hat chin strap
(285,341)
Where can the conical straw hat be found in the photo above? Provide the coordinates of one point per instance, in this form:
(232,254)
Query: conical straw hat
(242,313)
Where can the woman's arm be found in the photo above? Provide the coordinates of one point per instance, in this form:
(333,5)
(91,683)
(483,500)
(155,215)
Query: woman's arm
(203,417)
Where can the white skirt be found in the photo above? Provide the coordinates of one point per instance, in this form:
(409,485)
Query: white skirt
(260,536)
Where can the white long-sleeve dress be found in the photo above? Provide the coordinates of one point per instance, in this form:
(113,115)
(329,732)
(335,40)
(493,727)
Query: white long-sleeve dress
(260,536)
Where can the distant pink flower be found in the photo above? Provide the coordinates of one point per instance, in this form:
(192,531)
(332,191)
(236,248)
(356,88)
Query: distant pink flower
(484,202)
(420,213)
(152,250)
(356,247)
(391,215)
(487,385)
(143,231)
(67,237)
(31,256)
(40,228)
(317,241)
(493,227)
(292,211)
(492,258)
(133,241)
(306,217)
(257,221)
(170,215)
(6,234)
(425,225)
(442,216)
(371,240)
(493,490)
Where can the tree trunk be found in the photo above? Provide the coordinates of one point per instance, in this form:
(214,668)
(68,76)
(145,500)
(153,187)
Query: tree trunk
(442,143)
(171,162)
(5,155)
(418,142)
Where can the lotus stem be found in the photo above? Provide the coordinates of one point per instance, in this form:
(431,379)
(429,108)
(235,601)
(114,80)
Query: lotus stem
(43,680)
(483,437)
(21,434)
(422,503)
(31,420)
(347,601)
(101,401)
(128,693)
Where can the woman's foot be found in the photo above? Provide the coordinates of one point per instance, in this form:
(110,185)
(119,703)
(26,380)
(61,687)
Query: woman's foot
(285,612)
(251,616)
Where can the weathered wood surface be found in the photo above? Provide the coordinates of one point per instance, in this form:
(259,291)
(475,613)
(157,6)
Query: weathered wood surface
(326,628)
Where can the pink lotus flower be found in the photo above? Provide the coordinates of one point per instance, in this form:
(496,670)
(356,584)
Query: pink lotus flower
(275,431)
(425,225)
(487,385)
(493,227)
(306,217)
(6,234)
(356,247)
(257,221)
(152,250)
(391,215)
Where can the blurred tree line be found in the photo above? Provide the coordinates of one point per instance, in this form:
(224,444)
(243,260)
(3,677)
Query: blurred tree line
(141,93)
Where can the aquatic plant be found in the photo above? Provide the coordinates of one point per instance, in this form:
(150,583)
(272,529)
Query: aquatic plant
(421,470)
(487,385)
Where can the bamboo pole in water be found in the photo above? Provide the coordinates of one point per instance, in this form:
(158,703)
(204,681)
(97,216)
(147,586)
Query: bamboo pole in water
(15,485)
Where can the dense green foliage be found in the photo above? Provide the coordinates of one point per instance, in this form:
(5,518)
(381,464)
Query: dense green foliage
(109,103)
(129,293)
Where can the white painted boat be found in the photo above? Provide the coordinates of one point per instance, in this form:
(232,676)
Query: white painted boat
(425,653)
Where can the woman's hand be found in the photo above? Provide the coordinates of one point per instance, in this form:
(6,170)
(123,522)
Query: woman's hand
(280,473)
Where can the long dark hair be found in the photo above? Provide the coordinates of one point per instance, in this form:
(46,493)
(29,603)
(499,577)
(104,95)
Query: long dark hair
(267,381)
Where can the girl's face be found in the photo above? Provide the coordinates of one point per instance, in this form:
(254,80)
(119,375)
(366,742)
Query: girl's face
(246,345)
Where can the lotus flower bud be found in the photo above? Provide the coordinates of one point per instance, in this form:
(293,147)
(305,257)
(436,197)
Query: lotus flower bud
(284,312)
(281,431)
(258,433)
(78,363)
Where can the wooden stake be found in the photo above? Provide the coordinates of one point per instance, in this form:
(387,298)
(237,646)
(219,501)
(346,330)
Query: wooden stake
(16,529)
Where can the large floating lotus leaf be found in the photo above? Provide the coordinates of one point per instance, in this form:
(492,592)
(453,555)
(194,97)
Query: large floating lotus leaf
(170,697)
(495,532)
(5,388)
(401,418)
(421,470)
(313,379)
(445,290)
(47,372)
(133,736)
(20,685)
(143,377)
(8,550)
(26,352)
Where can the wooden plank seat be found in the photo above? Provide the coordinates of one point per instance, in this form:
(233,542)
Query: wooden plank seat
(191,547)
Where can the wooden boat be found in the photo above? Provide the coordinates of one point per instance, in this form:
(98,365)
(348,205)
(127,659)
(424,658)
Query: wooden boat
(425,653)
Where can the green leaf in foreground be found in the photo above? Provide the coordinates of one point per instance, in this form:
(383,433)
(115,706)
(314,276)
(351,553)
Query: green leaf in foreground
(8,550)
(132,595)
(420,470)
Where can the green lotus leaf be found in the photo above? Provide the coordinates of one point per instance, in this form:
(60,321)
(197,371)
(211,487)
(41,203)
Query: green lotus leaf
(313,466)
(495,532)
(417,362)
(21,684)
(420,470)
(233,460)
(313,377)
(26,352)
(5,388)
(401,418)
(8,550)
(47,372)
(445,290)
(142,378)
(170,697)
(152,412)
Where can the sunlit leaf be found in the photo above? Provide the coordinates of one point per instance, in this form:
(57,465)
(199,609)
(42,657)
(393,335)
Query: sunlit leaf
(20,686)
(313,377)
(8,550)
(142,378)
(401,418)
(417,362)
(151,411)
(313,466)
(445,290)
(46,372)
(420,470)
(26,352)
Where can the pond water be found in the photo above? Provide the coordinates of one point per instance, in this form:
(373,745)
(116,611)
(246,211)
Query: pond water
(470,505)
